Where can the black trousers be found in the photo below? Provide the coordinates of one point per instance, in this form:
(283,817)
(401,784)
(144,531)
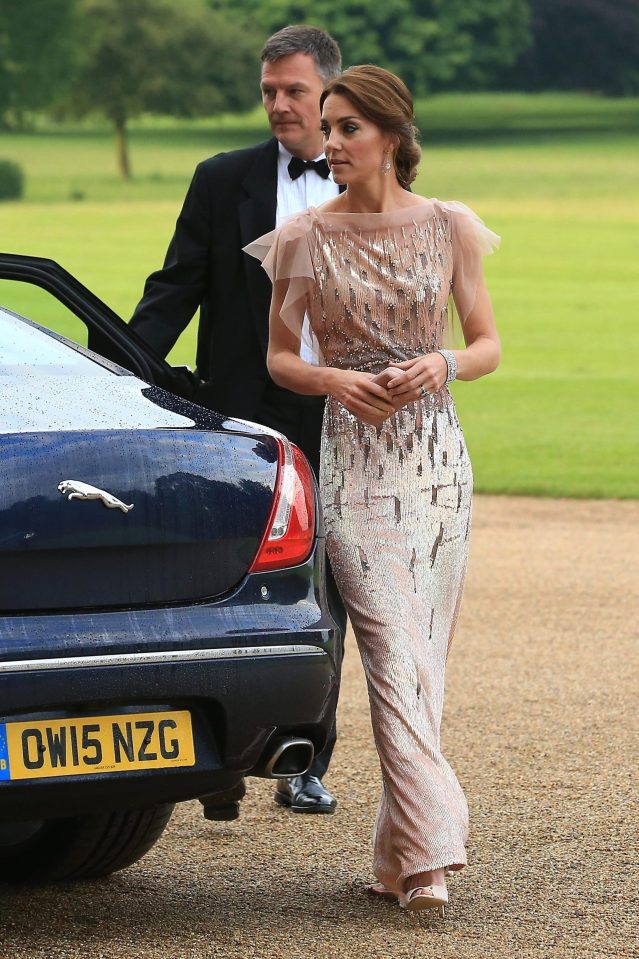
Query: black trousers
(299,418)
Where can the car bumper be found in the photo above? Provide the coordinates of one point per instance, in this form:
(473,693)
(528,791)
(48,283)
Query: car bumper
(239,701)
(259,665)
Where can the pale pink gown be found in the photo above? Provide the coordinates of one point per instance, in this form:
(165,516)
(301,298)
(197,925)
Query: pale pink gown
(396,499)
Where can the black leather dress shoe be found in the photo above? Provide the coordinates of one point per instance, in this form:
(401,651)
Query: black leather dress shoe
(304,794)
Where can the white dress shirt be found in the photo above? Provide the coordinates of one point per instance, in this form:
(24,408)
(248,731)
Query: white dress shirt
(293,196)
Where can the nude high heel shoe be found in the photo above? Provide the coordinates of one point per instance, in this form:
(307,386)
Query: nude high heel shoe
(379,891)
(425,897)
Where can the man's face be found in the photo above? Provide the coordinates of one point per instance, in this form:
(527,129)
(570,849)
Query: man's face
(291,88)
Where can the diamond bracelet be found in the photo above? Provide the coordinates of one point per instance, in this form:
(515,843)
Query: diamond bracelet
(451,363)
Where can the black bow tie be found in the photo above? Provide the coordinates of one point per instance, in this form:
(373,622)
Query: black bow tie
(296,167)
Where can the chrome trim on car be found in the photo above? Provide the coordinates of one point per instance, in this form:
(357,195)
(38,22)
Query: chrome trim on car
(79,490)
(276,767)
(172,656)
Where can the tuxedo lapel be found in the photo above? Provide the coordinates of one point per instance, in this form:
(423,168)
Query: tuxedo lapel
(256,217)
(257,214)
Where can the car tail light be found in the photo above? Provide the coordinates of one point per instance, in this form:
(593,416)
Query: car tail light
(291,527)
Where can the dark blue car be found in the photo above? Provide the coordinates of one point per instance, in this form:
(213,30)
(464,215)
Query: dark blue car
(164,630)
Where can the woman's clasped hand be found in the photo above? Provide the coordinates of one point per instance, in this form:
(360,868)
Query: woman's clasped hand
(373,398)
(361,394)
(407,381)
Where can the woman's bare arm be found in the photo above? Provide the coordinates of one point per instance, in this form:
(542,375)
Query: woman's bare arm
(366,400)
(406,380)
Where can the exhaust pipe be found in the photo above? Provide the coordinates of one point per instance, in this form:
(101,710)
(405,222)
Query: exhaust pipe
(286,756)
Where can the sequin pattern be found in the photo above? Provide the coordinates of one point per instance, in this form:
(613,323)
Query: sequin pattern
(396,499)
(397,506)
(380,295)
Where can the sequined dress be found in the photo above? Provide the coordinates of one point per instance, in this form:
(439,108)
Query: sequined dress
(396,499)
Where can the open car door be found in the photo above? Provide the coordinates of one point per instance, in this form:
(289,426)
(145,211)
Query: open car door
(100,329)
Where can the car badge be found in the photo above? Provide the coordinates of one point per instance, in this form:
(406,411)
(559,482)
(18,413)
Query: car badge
(78,490)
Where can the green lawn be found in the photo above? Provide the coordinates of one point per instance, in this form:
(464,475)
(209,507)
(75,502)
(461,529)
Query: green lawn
(555,175)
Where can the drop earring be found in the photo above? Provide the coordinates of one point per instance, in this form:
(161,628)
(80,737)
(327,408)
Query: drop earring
(387,166)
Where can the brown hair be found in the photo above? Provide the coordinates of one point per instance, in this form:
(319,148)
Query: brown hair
(385,100)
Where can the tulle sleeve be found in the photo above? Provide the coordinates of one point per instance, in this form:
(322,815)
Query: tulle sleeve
(472,240)
(285,255)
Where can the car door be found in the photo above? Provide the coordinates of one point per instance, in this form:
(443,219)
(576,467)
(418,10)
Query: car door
(98,327)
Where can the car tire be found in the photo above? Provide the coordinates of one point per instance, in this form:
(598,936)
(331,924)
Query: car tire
(80,847)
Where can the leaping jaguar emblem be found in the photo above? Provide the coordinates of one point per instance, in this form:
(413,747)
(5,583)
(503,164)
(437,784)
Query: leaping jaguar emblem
(78,490)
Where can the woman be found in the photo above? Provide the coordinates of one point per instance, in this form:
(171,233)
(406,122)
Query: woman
(373,270)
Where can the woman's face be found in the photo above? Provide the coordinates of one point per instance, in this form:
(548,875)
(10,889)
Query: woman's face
(355,147)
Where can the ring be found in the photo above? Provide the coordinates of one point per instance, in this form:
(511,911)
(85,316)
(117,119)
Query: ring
(423,391)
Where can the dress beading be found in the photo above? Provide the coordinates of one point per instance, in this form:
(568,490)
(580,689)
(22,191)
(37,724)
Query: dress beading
(397,498)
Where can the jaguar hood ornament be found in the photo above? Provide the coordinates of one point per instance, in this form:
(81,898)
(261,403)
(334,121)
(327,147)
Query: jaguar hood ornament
(78,490)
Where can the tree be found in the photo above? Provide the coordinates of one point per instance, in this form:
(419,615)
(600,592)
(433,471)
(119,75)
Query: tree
(581,45)
(38,45)
(431,44)
(152,56)
(476,38)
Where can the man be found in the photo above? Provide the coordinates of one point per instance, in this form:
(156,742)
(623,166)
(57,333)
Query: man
(233,199)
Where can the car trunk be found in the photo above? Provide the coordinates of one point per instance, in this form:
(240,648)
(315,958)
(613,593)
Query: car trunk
(201,501)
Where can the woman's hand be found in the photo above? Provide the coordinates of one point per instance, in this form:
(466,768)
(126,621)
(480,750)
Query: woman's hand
(407,381)
(361,395)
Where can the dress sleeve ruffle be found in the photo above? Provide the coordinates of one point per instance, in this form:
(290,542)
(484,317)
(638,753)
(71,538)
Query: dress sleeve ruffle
(472,240)
(285,255)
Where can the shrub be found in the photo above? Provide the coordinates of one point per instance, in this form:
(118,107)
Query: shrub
(11,180)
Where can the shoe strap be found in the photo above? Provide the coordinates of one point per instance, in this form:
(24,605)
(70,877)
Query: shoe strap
(419,891)
(428,892)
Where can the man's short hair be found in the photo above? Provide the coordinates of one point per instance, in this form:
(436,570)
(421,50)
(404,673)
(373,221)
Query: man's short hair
(301,38)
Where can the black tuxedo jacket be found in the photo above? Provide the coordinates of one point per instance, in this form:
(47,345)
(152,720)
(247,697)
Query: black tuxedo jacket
(231,201)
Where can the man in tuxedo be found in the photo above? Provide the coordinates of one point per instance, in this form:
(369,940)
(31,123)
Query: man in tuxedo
(233,199)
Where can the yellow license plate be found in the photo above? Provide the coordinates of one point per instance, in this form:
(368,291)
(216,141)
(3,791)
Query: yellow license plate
(96,744)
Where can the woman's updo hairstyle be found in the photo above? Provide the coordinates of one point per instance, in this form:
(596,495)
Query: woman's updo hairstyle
(385,100)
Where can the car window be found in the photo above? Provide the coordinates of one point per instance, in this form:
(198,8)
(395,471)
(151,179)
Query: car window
(42,307)
(49,385)
(24,345)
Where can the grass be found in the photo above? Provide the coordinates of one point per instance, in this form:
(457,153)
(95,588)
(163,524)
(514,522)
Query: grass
(555,175)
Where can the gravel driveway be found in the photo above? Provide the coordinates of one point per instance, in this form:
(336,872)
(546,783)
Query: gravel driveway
(541,726)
